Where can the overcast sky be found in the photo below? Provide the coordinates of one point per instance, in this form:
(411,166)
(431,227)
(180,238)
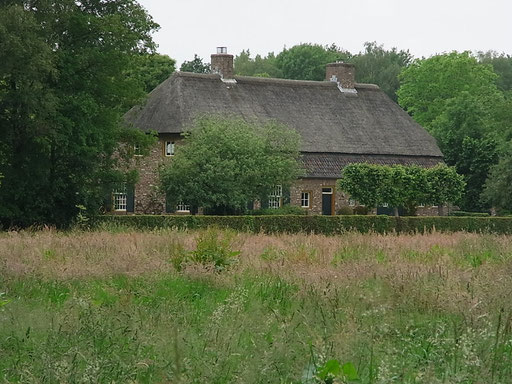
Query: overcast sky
(424,27)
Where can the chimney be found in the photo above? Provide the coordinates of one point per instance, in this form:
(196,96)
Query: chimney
(222,63)
(342,73)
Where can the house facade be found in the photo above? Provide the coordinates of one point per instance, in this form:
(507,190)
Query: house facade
(340,122)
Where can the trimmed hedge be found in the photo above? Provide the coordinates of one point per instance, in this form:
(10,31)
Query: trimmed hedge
(475,214)
(328,225)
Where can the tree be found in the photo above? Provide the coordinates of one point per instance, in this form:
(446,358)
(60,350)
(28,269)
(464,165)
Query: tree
(401,186)
(152,69)
(498,187)
(382,67)
(308,61)
(266,66)
(226,163)
(457,100)
(63,90)
(446,186)
(196,65)
(428,84)
(502,65)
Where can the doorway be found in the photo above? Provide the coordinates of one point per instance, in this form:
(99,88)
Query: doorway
(327,201)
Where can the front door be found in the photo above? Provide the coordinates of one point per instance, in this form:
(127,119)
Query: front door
(327,201)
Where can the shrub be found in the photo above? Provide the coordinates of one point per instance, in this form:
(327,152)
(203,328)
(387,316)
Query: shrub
(345,210)
(473,214)
(213,248)
(284,210)
(327,225)
(361,210)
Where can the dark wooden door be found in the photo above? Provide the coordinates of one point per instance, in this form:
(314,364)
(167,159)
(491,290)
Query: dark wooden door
(326,203)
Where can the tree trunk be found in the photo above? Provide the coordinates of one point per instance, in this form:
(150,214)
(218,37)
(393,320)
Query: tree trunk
(440,210)
(396,211)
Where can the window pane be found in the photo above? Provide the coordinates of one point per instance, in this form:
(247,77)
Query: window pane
(304,199)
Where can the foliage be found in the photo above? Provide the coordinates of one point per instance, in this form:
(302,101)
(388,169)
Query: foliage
(445,185)
(308,61)
(284,210)
(196,65)
(152,69)
(227,162)
(428,84)
(345,210)
(502,65)
(245,65)
(213,248)
(326,225)
(498,187)
(375,65)
(464,214)
(63,90)
(400,186)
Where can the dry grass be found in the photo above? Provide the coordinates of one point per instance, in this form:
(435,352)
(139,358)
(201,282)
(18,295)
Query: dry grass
(436,305)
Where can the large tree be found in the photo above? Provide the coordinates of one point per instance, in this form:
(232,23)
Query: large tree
(225,163)
(377,65)
(63,90)
(258,66)
(152,69)
(456,98)
(195,65)
(308,61)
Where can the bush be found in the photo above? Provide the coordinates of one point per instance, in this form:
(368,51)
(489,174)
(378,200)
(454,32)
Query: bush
(327,225)
(213,248)
(284,210)
(345,210)
(361,210)
(472,214)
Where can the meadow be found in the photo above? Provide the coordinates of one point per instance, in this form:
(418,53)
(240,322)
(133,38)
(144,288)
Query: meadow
(212,306)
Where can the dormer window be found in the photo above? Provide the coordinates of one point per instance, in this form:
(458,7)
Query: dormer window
(169,148)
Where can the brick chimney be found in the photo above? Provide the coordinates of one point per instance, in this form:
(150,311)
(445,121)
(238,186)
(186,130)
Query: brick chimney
(342,73)
(222,63)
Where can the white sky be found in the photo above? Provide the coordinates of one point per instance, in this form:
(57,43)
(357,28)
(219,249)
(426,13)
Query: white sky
(424,27)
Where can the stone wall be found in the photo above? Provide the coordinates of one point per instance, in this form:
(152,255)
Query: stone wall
(149,199)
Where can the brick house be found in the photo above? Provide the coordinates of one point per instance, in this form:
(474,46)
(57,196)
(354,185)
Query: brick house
(340,122)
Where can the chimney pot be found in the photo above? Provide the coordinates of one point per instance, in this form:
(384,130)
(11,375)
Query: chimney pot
(222,63)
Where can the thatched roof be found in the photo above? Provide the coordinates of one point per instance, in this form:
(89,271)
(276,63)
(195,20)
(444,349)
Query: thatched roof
(329,121)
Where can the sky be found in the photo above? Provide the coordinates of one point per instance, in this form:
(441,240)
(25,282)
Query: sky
(425,27)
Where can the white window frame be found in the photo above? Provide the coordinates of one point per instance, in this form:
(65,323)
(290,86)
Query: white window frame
(305,199)
(120,200)
(275,197)
(385,205)
(172,145)
(183,208)
(136,151)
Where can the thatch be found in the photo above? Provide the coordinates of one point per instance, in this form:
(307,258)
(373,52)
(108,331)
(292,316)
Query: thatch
(329,121)
(329,165)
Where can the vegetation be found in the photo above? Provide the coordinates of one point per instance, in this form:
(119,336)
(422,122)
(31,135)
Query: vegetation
(111,307)
(196,65)
(152,69)
(401,186)
(226,163)
(63,90)
(326,225)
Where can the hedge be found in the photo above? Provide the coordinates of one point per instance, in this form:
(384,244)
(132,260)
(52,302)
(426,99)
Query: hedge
(327,225)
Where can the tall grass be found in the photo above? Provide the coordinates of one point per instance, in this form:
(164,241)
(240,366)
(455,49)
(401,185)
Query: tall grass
(112,307)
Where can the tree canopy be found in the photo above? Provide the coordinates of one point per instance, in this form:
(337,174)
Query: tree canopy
(227,163)
(195,65)
(63,90)
(151,69)
(401,186)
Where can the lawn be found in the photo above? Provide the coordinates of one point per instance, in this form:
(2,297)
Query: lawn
(223,307)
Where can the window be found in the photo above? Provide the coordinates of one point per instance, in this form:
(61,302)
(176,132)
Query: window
(169,148)
(351,203)
(327,191)
(274,200)
(182,207)
(385,205)
(136,150)
(304,199)
(119,198)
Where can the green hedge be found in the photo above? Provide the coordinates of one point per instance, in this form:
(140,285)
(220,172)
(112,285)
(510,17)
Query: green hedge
(327,225)
(463,213)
